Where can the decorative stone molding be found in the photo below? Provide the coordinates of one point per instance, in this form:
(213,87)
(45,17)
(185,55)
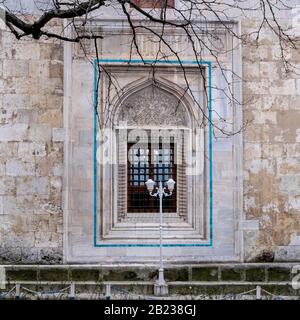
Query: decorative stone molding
(154,107)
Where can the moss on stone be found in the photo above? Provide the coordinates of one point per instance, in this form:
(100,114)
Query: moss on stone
(204,274)
(232,274)
(54,275)
(279,274)
(153,275)
(177,274)
(255,274)
(85,275)
(21,274)
(114,275)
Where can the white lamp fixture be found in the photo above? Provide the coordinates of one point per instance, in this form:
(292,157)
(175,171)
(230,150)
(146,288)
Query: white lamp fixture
(170,184)
(150,185)
(160,286)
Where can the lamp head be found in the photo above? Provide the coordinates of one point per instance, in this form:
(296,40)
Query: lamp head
(171,184)
(150,185)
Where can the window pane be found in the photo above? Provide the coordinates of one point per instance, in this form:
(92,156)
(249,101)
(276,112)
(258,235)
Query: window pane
(142,169)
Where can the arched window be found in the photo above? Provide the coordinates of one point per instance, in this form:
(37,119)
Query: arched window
(151,123)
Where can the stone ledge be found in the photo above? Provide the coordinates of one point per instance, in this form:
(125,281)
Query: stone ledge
(192,289)
(265,272)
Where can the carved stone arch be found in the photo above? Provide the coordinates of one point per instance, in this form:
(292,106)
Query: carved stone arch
(141,90)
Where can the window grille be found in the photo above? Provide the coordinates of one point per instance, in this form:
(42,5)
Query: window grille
(149,161)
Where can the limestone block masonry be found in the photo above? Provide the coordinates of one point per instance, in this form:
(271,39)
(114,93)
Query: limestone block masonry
(31,155)
(271,151)
(46,135)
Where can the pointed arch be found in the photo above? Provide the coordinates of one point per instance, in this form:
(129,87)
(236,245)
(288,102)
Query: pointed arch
(158,102)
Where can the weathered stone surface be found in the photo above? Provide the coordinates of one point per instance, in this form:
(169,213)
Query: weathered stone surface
(120,275)
(10,255)
(30,185)
(51,52)
(58,134)
(50,256)
(255,274)
(1,205)
(232,274)
(16,132)
(19,168)
(29,150)
(270,150)
(21,274)
(85,275)
(32,141)
(279,274)
(15,68)
(29,232)
(47,239)
(204,274)
(177,274)
(54,274)
(56,70)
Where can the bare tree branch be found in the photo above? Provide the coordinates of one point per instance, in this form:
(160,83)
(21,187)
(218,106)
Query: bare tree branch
(192,19)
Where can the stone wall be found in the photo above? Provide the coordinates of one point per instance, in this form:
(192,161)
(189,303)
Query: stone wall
(31,151)
(271,150)
(31,161)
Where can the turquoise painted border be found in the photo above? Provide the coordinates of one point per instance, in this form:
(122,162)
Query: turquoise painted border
(209,66)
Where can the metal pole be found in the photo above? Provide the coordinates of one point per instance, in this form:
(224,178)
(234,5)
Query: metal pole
(258,292)
(72,291)
(161,279)
(18,291)
(107,291)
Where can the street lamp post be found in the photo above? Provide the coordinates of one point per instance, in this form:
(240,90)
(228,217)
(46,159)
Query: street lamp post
(160,287)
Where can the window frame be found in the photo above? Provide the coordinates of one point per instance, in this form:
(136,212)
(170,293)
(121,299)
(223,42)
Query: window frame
(151,203)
